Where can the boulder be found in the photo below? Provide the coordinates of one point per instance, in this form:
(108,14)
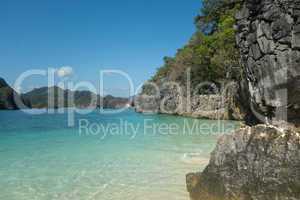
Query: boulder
(260,162)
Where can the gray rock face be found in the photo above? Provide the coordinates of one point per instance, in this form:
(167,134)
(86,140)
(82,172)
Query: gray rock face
(268,35)
(260,163)
(215,106)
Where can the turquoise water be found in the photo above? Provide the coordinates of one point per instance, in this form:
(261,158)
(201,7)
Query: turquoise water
(42,158)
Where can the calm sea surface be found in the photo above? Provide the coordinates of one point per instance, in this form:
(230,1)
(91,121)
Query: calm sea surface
(125,156)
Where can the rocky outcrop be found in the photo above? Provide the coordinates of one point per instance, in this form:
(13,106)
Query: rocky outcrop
(8,97)
(222,105)
(268,36)
(202,106)
(260,163)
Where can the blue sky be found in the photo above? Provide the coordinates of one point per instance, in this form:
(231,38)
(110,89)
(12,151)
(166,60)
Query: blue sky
(89,36)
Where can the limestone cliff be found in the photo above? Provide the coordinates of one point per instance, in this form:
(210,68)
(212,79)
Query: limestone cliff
(203,78)
(261,162)
(222,105)
(268,36)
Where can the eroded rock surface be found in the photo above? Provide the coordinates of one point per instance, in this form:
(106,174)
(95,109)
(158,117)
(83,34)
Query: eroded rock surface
(268,36)
(260,163)
(222,105)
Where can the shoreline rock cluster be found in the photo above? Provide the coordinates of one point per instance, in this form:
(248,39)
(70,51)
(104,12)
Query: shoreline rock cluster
(261,162)
(222,105)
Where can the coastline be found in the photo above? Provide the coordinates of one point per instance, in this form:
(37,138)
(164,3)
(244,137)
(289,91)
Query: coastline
(133,166)
(223,112)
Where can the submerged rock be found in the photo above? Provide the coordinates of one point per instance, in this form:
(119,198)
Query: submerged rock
(260,162)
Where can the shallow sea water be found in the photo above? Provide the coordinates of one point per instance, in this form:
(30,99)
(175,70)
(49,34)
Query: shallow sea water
(125,156)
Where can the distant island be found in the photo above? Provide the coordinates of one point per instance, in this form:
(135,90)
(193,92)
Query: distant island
(242,64)
(38,98)
(7,100)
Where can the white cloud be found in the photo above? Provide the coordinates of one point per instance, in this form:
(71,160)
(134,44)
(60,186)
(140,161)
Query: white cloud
(64,71)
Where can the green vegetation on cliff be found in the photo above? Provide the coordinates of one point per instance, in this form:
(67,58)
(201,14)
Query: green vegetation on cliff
(211,54)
